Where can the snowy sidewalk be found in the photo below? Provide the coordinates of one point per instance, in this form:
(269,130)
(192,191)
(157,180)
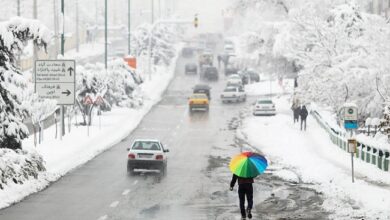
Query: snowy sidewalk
(76,148)
(317,160)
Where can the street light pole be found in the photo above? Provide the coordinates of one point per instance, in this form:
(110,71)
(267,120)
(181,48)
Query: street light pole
(77,27)
(152,10)
(62,108)
(18,8)
(105,34)
(129,26)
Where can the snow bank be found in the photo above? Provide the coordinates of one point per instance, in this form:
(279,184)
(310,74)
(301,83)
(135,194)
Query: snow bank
(316,160)
(77,148)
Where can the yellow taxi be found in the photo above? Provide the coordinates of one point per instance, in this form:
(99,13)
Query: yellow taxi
(198,101)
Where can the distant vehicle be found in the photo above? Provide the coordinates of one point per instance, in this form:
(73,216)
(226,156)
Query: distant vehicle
(234,79)
(264,107)
(147,154)
(229,49)
(206,58)
(198,101)
(209,73)
(233,94)
(191,68)
(230,69)
(187,52)
(202,88)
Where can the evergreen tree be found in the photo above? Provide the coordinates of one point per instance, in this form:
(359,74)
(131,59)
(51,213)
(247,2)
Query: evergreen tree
(14,34)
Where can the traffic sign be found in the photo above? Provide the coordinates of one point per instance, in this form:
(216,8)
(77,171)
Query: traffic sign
(56,79)
(88,100)
(99,100)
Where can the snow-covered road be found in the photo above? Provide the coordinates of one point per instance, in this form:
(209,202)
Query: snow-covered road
(196,186)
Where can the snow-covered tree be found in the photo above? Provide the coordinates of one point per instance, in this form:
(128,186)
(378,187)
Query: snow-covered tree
(14,34)
(116,85)
(341,52)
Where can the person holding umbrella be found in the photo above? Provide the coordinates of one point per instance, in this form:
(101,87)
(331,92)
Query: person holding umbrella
(245,189)
(245,167)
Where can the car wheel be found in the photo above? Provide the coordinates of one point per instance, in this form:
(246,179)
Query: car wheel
(130,171)
(163,170)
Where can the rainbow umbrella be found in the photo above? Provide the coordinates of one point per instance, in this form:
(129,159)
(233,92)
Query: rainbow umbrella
(248,164)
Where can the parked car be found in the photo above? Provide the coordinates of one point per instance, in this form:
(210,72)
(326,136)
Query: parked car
(233,94)
(191,68)
(264,107)
(202,88)
(147,154)
(234,79)
(209,73)
(198,101)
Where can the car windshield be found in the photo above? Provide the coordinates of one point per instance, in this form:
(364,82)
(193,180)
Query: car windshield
(264,102)
(231,89)
(146,145)
(199,96)
(234,77)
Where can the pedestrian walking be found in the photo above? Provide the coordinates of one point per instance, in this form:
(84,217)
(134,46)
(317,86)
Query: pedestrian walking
(245,189)
(303,114)
(219,61)
(296,111)
(246,166)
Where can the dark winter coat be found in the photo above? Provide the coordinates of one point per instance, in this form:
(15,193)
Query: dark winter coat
(297,111)
(303,113)
(240,180)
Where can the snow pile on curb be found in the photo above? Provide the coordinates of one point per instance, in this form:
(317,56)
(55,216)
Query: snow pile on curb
(19,166)
(314,158)
(76,148)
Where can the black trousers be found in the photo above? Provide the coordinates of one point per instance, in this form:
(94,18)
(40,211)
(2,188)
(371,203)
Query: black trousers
(245,189)
(303,124)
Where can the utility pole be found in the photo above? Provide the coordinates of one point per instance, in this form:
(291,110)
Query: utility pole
(159,9)
(18,9)
(96,12)
(55,13)
(77,27)
(35,16)
(105,34)
(152,5)
(129,27)
(62,109)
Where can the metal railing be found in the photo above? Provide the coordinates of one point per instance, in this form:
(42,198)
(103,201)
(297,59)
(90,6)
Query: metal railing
(370,154)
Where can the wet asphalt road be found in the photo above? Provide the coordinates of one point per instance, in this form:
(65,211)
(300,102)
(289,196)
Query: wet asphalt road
(196,185)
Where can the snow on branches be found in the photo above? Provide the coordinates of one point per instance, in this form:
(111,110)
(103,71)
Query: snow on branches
(342,52)
(14,34)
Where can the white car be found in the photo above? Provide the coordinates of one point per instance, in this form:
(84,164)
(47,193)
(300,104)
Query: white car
(147,154)
(264,107)
(234,79)
(233,94)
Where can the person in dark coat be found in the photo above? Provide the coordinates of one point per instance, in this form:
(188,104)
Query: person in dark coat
(245,189)
(296,111)
(219,61)
(303,113)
